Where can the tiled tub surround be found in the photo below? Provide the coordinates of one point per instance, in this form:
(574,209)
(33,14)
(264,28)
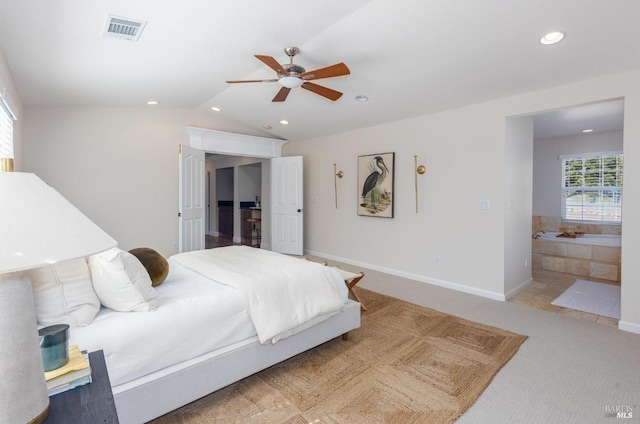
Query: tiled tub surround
(570,256)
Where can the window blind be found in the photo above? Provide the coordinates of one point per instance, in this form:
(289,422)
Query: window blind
(6,126)
(592,187)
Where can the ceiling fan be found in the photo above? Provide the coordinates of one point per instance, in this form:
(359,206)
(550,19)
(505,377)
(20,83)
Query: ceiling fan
(292,76)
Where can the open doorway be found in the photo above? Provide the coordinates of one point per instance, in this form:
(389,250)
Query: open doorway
(577,168)
(236,192)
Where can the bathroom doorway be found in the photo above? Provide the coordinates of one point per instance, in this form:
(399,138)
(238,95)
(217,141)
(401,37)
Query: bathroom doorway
(587,131)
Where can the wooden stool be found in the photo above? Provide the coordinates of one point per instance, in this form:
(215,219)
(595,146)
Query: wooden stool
(255,231)
(351,279)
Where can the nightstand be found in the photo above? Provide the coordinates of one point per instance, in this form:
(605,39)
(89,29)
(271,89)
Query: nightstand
(92,403)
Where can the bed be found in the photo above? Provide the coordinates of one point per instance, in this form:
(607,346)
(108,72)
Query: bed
(200,334)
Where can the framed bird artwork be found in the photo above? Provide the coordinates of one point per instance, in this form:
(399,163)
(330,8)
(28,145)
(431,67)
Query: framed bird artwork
(375,185)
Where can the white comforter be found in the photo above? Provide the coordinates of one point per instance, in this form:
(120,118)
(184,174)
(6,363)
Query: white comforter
(284,295)
(194,316)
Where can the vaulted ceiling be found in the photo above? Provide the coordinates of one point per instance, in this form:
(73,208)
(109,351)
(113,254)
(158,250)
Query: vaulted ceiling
(408,57)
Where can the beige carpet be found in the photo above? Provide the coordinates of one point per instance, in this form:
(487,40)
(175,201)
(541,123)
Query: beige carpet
(406,364)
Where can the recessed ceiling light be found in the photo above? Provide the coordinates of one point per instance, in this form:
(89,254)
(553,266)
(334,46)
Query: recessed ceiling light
(361,98)
(552,37)
(284,122)
(215,109)
(152,102)
(266,126)
(588,130)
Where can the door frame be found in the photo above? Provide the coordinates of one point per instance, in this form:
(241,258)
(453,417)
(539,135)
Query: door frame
(232,144)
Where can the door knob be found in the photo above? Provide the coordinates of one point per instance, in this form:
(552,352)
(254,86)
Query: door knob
(299,210)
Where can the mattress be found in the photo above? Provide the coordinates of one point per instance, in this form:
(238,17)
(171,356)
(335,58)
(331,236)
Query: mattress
(194,316)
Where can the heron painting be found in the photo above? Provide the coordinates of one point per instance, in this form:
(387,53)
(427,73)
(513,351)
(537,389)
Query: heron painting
(375,185)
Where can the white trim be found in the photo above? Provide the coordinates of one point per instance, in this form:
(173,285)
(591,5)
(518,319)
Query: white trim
(629,326)
(590,154)
(421,278)
(226,143)
(518,288)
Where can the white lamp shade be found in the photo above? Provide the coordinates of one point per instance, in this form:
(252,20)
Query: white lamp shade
(38,226)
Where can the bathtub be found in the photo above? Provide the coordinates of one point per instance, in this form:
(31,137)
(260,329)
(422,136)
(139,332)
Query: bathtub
(587,256)
(611,240)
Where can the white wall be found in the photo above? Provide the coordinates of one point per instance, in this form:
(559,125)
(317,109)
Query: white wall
(119,166)
(465,152)
(250,182)
(518,187)
(547,167)
(224,184)
(630,320)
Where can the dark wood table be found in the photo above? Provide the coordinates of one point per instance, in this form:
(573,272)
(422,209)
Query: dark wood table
(91,403)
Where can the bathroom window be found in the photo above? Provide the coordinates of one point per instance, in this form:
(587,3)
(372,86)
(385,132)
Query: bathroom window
(592,187)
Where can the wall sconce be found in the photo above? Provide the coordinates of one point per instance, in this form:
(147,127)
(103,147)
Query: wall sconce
(420,169)
(336,175)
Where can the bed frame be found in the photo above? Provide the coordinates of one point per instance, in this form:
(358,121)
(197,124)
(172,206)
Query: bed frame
(156,394)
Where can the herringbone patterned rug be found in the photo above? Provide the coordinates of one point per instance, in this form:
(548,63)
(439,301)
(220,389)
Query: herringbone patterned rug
(406,364)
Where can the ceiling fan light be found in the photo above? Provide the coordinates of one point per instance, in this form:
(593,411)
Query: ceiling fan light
(291,82)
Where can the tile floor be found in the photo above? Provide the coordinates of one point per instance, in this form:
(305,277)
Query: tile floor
(548,285)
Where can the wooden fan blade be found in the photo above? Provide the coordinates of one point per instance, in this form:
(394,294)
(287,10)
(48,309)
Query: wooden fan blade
(264,80)
(273,64)
(282,95)
(336,70)
(323,91)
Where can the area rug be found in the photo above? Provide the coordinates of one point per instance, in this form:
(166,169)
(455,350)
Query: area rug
(405,364)
(595,298)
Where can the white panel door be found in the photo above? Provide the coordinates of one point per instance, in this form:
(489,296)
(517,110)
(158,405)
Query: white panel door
(192,199)
(286,205)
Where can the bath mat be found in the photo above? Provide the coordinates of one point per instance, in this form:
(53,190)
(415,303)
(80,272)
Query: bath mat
(596,298)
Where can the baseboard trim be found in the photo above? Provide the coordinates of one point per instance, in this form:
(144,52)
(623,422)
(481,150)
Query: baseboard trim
(518,288)
(629,326)
(421,278)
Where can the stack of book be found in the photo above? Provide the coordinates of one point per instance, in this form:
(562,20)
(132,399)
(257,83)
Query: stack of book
(75,373)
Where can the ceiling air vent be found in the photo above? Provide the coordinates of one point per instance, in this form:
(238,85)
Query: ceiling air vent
(123,28)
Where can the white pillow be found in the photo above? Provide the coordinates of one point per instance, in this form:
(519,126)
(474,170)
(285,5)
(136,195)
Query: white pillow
(121,281)
(63,294)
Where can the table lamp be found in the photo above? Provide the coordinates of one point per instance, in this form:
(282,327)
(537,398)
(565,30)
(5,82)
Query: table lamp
(38,227)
